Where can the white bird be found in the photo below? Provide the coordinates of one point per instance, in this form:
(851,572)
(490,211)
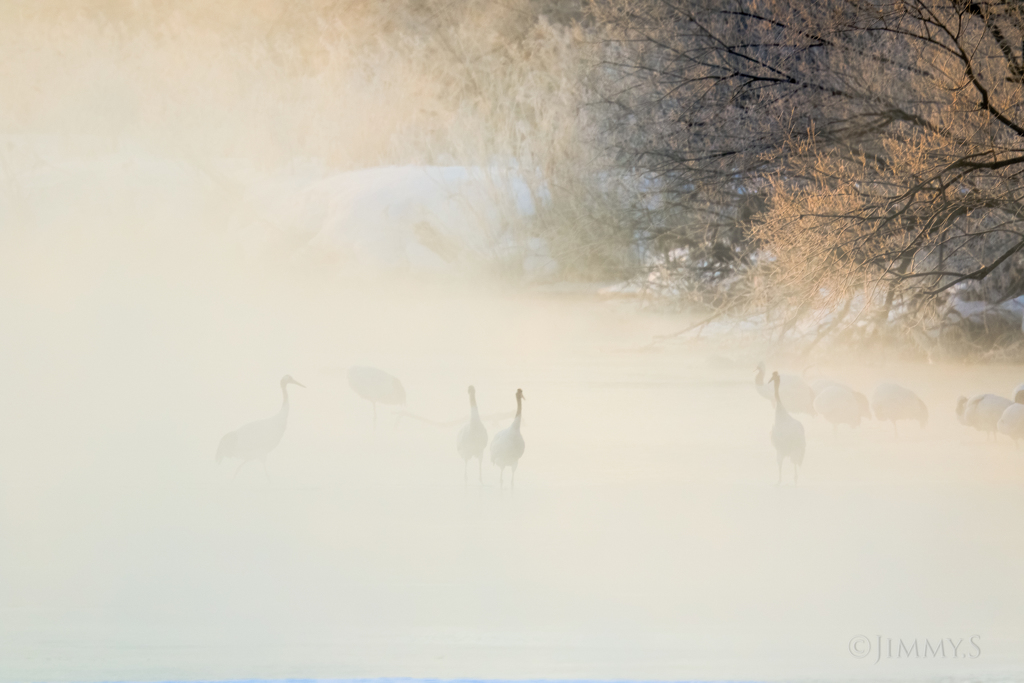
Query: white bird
(794,391)
(787,434)
(839,404)
(1011,422)
(256,439)
(472,439)
(892,403)
(982,412)
(376,386)
(507,446)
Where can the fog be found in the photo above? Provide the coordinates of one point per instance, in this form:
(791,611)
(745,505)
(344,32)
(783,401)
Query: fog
(646,537)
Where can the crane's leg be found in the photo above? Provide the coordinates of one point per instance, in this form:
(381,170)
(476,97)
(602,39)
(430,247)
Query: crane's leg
(513,487)
(501,477)
(796,471)
(265,472)
(895,431)
(374,414)
(780,472)
(481,463)
(465,475)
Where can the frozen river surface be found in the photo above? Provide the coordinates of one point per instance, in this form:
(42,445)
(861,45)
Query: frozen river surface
(646,537)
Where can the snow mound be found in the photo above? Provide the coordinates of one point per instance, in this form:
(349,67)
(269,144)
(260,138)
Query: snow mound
(423,219)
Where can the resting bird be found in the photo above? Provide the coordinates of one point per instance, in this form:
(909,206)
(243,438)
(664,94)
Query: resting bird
(376,386)
(892,403)
(787,434)
(982,412)
(472,439)
(256,439)
(794,391)
(1011,422)
(507,446)
(839,404)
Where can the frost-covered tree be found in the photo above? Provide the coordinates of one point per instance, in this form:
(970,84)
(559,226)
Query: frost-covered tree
(869,152)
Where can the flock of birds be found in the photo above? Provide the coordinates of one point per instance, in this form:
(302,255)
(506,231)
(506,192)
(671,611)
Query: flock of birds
(254,441)
(838,403)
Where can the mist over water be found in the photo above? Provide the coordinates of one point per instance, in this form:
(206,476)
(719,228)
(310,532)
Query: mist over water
(646,537)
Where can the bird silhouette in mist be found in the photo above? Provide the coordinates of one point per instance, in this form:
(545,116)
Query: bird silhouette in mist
(892,403)
(787,434)
(982,412)
(256,439)
(376,386)
(1011,422)
(839,404)
(508,445)
(472,439)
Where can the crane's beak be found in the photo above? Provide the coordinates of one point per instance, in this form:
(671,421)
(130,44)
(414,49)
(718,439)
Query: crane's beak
(299,383)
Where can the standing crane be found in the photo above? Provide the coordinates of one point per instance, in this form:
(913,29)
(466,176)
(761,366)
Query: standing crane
(892,402)
(982,412)
(1011,422)
(256,439)
(787,434)
(839,404)
(507,446)
(472,439)
(376,386)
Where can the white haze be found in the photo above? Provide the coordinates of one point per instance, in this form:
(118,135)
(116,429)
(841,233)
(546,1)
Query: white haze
(646,537)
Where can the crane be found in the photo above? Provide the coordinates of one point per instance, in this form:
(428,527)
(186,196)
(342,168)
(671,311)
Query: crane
(787,434)
(472,439)
(376,386)
(508,445)
(256,439)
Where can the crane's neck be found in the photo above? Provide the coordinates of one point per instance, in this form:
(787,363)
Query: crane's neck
(474,413)
(519,413)
(759,377)
(780,409)
(283,413)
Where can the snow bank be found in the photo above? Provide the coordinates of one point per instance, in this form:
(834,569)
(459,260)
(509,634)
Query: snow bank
(418,219)
(424,219)
(984,314)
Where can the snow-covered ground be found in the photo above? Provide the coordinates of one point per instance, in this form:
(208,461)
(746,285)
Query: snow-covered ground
(646,537)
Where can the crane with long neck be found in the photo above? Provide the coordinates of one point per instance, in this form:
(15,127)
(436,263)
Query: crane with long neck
(508,445)
(255,440)
(472,439)
(787,434)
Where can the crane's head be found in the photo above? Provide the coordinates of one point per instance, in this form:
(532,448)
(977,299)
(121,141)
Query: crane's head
(775,378)
(961,403)
(472,390)
(759,375)
(1019,396)
(519,395)
(288,379)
